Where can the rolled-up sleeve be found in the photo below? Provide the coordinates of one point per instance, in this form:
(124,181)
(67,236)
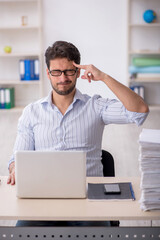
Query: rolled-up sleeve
(113,111)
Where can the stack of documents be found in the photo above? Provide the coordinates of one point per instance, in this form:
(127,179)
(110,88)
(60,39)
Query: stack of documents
(149,141)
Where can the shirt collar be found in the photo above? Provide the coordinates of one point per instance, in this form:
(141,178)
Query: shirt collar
(47,99)
(78,96)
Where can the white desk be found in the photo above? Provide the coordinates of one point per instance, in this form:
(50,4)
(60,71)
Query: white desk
(12,208)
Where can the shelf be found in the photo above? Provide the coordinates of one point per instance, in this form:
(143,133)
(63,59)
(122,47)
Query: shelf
(19,27)
(146,79)
(143,42)
(150,25)
(20,54)
(13,1)
(26,43)
(145,52)
(12,110)
(155,107)
(16,82)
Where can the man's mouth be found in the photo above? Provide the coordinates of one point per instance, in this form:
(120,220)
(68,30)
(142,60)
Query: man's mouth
(64,83)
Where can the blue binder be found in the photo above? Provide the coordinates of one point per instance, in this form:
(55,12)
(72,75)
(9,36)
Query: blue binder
(27,69)
(32,75)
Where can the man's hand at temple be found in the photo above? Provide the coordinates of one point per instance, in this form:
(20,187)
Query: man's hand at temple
(91,72)
(132,101)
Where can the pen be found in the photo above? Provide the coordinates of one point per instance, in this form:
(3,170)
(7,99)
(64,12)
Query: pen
(132,192)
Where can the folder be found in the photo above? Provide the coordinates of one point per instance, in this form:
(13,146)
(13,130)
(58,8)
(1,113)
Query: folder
(138,89)
(96,192)
(36,69)
(21,69)
(2,98)
(9,98)
(32,74)
(27,69)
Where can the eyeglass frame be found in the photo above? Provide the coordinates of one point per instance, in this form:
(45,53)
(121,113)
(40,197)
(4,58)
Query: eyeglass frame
(64,71)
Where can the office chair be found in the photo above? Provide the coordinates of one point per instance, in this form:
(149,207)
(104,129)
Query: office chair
(108,164)
(109,171)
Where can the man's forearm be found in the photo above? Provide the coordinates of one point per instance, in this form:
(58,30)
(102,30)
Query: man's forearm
(132,101)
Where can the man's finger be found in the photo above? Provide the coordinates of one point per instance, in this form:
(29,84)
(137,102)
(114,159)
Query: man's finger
(80,66)
(9,179)
(86,76)
(13,179)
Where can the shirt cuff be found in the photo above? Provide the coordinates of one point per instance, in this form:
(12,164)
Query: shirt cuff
(137,117)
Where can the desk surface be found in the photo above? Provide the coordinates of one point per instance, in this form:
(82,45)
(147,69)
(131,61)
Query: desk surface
(12,208)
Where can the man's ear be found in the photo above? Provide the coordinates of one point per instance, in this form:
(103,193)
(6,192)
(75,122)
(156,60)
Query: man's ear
(78,72)
(48,74)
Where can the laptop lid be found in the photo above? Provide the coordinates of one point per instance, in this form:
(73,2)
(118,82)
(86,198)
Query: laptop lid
(57,174)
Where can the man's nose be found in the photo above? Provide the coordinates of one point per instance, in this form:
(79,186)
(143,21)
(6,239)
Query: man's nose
(63,77)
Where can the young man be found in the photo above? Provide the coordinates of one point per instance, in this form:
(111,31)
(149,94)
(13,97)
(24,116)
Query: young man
(69,120)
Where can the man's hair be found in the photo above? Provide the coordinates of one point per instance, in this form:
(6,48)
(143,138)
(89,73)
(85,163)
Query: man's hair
(62,49)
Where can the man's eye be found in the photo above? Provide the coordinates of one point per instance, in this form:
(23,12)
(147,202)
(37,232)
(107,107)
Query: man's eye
(55,73)
(70,72)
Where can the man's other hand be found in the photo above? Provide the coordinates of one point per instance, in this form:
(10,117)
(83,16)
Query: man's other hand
(11,178)
(90,72)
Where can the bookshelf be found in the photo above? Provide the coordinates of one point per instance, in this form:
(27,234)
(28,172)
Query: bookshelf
(144,42)
(20,28)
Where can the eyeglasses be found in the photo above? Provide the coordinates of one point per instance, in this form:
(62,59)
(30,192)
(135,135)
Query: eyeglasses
(67,72)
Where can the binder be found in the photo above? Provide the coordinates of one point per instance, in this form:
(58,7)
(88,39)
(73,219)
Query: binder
(27,69)
(9,98)
(21,69)
(36,69)
(2,98)
(141,91)
(32,74)
(96,192)
(138,89)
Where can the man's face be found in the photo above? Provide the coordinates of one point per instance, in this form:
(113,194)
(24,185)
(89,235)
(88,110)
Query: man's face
(62,83)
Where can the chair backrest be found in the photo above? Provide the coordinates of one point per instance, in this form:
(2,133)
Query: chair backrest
(108,164)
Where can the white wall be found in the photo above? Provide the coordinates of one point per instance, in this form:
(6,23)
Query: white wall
(97,28)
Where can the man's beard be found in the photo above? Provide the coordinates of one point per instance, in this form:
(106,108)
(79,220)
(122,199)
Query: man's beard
(66,92)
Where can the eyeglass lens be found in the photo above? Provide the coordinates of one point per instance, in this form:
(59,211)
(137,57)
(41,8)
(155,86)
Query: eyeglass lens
(68,72)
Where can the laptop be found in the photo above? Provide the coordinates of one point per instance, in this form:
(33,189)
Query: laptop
(50,174)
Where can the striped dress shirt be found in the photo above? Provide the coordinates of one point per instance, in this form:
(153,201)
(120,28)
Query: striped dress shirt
(43,127)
